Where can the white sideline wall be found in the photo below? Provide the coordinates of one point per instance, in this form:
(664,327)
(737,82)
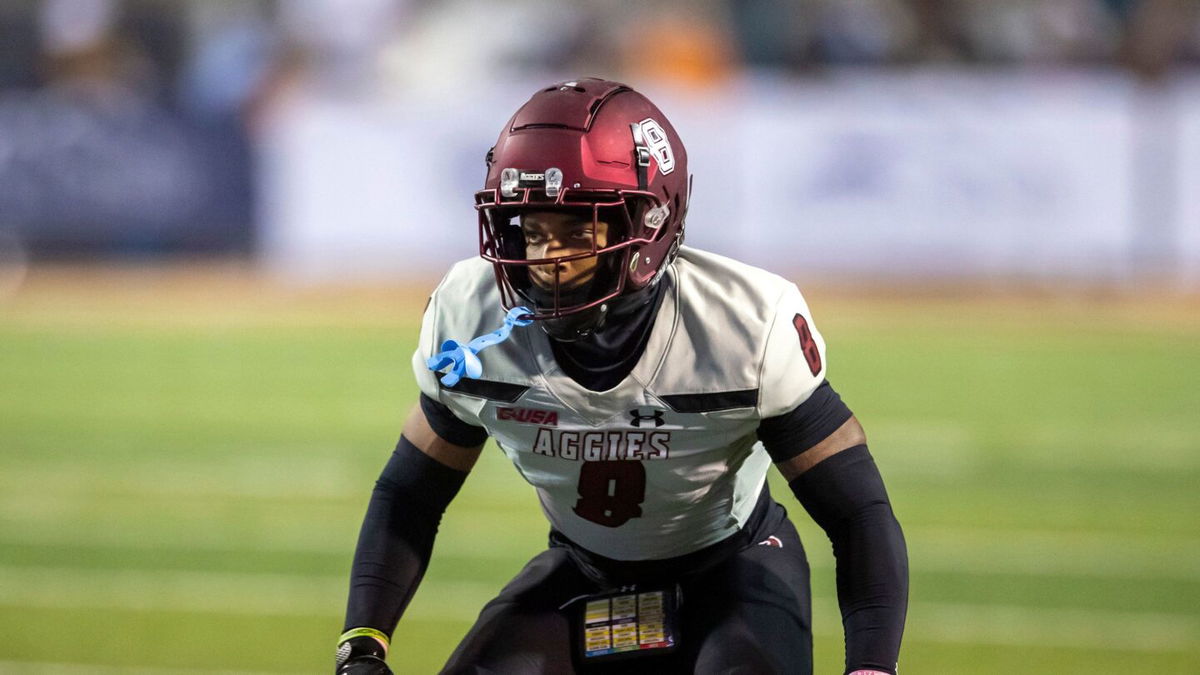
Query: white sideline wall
(930,174)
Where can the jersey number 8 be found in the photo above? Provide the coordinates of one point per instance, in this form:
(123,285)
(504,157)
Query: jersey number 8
(610,493)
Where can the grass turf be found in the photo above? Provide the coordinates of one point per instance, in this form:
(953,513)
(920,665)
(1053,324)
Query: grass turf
(184,461)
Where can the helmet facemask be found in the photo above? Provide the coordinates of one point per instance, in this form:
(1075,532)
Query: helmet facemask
(568,309)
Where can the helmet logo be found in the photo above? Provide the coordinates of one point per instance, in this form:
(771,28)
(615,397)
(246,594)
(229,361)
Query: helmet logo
(509,180)
(554,178)
(659,145)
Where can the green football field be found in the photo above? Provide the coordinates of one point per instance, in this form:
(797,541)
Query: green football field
(185,457)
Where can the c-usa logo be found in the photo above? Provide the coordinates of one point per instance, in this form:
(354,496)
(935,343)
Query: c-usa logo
(656,416)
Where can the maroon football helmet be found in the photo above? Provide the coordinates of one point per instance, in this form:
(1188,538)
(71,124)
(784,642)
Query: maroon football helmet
(602,152)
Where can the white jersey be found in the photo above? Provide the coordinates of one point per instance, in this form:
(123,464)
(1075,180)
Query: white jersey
(667,461)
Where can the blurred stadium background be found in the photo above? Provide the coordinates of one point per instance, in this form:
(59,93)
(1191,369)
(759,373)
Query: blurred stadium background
(219,220)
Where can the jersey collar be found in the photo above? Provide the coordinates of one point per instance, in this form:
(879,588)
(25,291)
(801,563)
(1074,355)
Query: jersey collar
(596,407)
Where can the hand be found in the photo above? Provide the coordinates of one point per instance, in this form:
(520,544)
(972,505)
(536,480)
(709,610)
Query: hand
(365,665)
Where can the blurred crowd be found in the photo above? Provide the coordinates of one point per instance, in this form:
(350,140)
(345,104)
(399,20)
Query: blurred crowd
(209,54)
(184,85)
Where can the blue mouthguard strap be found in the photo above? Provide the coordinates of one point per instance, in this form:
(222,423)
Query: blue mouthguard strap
(462,358)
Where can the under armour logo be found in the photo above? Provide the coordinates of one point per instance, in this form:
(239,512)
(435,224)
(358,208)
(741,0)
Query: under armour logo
(637,418)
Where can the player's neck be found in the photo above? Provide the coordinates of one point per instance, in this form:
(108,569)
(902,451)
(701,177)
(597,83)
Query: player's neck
(601,360)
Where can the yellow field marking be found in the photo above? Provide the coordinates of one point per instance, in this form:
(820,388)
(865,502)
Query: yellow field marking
(1079,628)
(246,476)
(237,293)
(1056,553)
(218,592)
(287,595)
(1021,552)
(49,668)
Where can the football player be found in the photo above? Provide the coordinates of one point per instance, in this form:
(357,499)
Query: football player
(645,404)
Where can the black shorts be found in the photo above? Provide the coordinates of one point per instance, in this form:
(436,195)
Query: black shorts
(746,607)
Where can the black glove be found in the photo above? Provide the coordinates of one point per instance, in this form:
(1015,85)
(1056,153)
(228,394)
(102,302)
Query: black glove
(362,654)
(365,665)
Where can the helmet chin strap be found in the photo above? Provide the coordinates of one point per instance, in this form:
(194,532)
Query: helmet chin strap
(571,327)
(574,327)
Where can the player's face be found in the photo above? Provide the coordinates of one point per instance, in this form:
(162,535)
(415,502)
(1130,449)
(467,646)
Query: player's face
(556,235)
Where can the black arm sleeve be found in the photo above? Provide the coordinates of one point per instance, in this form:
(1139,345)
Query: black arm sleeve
(396,539)
(844,494)
(446,424)
(809,423)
